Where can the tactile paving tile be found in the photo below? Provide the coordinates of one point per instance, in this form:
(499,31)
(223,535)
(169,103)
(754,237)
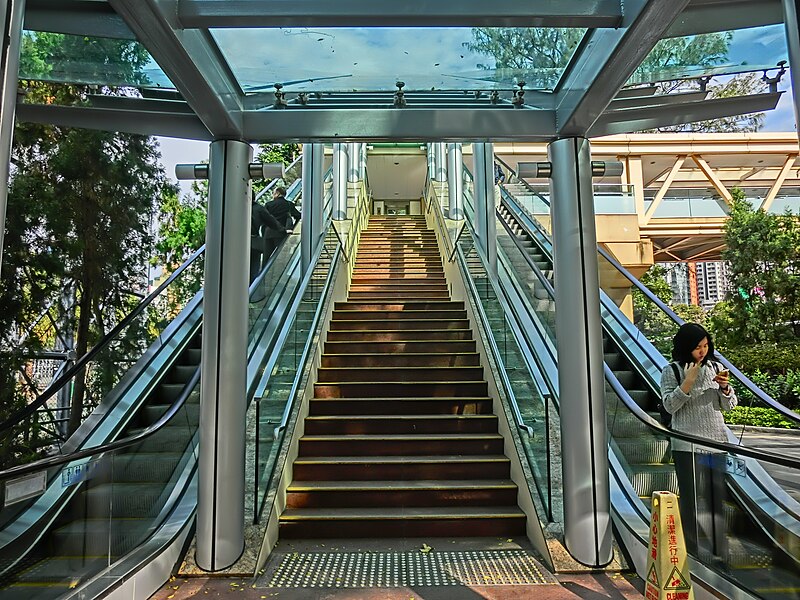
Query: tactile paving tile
(407,569)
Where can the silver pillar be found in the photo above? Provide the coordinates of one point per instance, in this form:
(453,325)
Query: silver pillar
(340,176)
(354,163)
(13,13)
(362,162)
(431,162)
(439,162)
(792,26)
(223,386)
(483,196)
(587,525)
(313,195)
(455,180)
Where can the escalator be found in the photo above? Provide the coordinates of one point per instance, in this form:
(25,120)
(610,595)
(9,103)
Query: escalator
(639,453)
(124,491)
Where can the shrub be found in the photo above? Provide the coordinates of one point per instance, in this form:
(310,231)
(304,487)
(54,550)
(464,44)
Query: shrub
(757,417)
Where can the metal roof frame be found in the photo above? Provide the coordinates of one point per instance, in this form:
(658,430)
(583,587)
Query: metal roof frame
(210,104)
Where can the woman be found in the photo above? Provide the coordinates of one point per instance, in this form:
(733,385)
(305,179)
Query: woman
(696,399)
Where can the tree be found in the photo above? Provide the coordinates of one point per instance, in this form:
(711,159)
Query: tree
(277,153)
(763,251)
(80,202)
(539,56)
(647,316)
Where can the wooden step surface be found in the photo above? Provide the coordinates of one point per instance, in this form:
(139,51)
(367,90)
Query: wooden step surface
(400,439)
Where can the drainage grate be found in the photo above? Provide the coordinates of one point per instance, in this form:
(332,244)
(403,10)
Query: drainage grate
(407,569)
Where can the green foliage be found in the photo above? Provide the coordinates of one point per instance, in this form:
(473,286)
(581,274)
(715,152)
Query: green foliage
(525,48)
(80,206)
(539,56)
(757,417)
(770,358)
(763,251)
(277,153)
(648,317)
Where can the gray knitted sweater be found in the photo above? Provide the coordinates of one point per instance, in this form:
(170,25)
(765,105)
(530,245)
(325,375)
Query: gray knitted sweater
(699,412)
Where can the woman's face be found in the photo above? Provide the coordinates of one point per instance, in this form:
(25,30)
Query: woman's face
(699,353)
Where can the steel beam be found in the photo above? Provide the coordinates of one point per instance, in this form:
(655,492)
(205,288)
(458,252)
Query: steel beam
(711,16)
(409,13)
(606,59)
(651,117)
(417,125)
(76,17)
(12,12)
(170,124)
(191,60)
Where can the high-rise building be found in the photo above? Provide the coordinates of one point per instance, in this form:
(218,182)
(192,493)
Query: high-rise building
(677,275)
(712,283)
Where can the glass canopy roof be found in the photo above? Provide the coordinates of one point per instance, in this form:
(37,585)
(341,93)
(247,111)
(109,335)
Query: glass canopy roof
(374,58)
(339,63)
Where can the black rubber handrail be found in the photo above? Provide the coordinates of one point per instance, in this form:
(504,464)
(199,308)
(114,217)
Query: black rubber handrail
(655,426)
(28,410)
(56,385)
(741,377)
(54,461)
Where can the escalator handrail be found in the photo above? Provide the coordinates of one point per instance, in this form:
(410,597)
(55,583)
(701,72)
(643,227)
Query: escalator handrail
(53,461)
(659,429)
(80,363)
(741,377)
(536,270)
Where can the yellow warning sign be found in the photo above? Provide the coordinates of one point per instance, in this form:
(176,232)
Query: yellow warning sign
(667,568)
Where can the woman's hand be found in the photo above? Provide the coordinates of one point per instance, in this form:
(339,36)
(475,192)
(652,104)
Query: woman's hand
(690,376)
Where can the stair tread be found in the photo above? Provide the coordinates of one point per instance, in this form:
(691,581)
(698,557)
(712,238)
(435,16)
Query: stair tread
(410,398)
(425,512)
(389,485)
(403,436)
(435,458)
(396,417)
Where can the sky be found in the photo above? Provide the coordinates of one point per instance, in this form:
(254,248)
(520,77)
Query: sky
(358,58)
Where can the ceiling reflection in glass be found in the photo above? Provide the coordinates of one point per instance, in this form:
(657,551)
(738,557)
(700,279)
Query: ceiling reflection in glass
(375,58)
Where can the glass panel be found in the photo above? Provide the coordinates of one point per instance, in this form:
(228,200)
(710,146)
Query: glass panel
(281,379)
(719,54)
(80,59)
(787,199)
(524,392)
(688,202)
(353,59)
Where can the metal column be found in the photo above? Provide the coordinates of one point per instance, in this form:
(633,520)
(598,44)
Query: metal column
(439,162)
(792,26)
(13,13)
(483,196)
(223,386)
(354,167)
(587,525)
(455,179)
(341,169)
(313,195)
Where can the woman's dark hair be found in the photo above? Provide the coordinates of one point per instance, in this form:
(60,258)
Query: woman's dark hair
(686,340)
